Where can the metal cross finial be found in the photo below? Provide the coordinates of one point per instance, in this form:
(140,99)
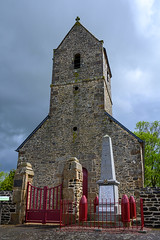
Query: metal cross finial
(77,19)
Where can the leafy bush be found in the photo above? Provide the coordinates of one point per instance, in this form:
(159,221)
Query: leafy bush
(150,133)
(6,180)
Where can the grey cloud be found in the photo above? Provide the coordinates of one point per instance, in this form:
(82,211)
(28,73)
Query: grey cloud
(29,30)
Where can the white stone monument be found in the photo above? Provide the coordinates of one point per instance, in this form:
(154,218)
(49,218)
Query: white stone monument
(108,185)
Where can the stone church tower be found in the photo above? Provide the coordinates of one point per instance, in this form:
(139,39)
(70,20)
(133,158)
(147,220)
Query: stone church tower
(80,115)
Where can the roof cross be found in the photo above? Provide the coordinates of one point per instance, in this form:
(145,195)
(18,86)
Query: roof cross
(77,19)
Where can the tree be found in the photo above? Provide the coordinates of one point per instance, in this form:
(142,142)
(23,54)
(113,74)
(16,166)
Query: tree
(2,176)
(150,133)
(6,181)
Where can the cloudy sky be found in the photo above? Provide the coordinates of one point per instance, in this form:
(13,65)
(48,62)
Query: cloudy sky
(30,30)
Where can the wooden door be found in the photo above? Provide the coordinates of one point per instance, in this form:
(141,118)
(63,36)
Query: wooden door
(85,182)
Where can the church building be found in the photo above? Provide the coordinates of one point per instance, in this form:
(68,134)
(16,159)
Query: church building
(80,116)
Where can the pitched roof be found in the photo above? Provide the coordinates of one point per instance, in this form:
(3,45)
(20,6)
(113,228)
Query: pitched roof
(77,23)
(123,127)
(105,53)
(34,131)
(46,118)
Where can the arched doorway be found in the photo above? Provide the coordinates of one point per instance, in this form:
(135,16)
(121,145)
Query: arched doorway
(85,182)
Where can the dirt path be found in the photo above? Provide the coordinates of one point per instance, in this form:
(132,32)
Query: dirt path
(40,232)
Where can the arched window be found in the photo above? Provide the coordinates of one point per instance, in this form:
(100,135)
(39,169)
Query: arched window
(77,61)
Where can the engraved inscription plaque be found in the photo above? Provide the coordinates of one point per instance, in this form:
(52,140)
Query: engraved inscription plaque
(17,183)
(106,196)
(106,193)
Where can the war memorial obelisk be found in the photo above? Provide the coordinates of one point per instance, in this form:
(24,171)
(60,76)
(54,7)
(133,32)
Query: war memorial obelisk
(108,185)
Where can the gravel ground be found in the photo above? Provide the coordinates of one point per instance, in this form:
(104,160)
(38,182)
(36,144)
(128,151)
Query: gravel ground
(39,232)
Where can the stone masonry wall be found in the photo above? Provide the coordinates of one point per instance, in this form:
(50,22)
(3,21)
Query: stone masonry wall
(7,207)
(107,99)
(80,41)
(107,86)
(151,206)
(78,120)
(56,141)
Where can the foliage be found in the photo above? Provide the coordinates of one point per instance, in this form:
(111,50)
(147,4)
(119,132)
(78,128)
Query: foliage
(6,181)
(150,133)
(2,176)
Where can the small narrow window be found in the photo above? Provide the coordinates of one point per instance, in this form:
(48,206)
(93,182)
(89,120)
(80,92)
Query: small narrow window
(77,61)
(75,129)
(76,88)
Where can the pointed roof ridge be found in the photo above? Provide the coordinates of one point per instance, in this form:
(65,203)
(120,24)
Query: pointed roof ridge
(32,133)
(124,128)
(78,23)
(112,118)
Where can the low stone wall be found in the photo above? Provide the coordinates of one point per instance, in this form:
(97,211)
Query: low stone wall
(7,207)
(151,206)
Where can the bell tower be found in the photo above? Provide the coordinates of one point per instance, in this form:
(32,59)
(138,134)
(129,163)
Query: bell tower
(80,116)
(79,62)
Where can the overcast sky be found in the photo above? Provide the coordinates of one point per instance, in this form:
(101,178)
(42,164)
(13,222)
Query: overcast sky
(31,29)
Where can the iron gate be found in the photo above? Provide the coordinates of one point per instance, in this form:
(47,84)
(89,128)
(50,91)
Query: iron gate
(43,204)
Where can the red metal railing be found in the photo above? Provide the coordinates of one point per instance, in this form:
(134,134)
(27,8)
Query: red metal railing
(106,215)
(142,215)
(43,204)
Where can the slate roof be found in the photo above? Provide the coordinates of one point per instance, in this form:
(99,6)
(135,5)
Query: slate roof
(123,127)
(32,133)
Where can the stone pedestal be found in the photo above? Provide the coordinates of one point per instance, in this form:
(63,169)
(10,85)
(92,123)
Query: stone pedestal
(23,175)
(72,183)
(108,202)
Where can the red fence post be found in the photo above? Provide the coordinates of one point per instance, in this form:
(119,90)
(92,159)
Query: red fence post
(96,203)
(44,204)
(50,199)
(30,200)
(83,208)
(125,208)
(27,201)
(53,199)
(61,212)
(56,197)
(132,207)
(37,198)
(40,203)
(119,219)
(142,215)
(61,191)
(34,190)
(64,212)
